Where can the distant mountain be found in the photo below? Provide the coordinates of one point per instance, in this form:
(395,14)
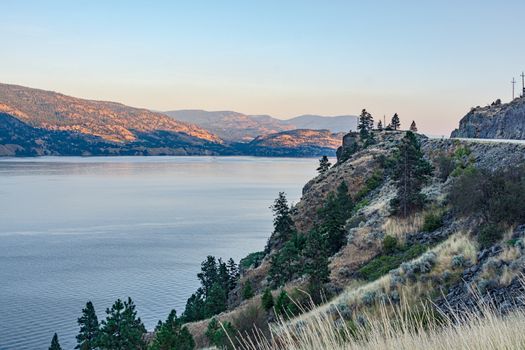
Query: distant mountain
(231,126)
(342,123)
(294,143)
(36,122)
(109,120)
(496,121)
(21,140)
(239,127)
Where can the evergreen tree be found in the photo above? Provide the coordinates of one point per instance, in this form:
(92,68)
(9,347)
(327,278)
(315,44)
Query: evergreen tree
(324,165)
(380,126)
(247,291)
(89,328)
(410,173)
(194,309)
(282,221)
(216,301)
(220,335)
(284,306)
(286,263)
(365,124)
(395,123)
(209,274)
(170,335)
(316,264)
(333,215)
(122,330)
(224,276)
(267,299)
(55,345)
(413,126)
(233,272)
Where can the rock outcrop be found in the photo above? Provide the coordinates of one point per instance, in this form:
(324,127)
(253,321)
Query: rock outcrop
(496,121)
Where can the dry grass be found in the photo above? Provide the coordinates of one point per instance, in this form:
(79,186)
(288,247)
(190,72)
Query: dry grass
(401,330)
(400,227)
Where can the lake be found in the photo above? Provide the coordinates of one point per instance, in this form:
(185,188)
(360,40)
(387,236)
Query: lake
(79,229)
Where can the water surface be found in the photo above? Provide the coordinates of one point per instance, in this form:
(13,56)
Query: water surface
(78,229)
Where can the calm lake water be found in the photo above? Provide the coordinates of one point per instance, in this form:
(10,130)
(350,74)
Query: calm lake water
(78,229)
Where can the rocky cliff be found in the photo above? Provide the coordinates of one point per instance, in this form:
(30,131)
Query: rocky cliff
(496,121)
(437,257)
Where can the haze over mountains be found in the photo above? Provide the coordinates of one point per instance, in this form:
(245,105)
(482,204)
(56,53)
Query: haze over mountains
(235,126)
(38,122)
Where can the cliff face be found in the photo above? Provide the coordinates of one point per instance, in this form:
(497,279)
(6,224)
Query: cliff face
(497,121)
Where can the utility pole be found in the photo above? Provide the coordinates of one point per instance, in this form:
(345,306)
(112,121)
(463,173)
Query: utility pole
(513,83)
(522,84)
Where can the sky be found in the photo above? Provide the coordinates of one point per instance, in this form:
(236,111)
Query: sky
(429,61)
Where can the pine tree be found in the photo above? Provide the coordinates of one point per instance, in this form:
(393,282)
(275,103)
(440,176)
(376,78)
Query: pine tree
(380,126)
(170,335)
(223,275)
(365,124)
(282,222)
(233,272)
(413,126)
(247,291)
(324,165)
(286,263)
(194,310)
(395,123)
(267,299)
(121,330)
(216,301)
(284,306)
(410,174)
(316,263)
(333,215)
(89,328)
(209,274)
(55,345)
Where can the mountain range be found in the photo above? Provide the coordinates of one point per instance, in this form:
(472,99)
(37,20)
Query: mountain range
(38,122)
(239,127)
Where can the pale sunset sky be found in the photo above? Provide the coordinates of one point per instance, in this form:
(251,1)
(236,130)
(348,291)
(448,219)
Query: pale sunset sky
(426,60)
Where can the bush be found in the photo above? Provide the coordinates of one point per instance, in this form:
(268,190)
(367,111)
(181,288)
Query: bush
(497,197)
(446,166)
(220,335)
(389,244)
(247,291)
(432,221)
(371,184)
(267,300)
(252,259)
(489,234)
(381,265)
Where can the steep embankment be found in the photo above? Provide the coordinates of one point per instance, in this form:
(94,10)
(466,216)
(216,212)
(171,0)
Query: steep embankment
(496,121)
(438,250)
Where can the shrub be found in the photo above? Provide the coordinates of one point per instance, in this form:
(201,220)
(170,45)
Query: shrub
(389,244)
(432,221)
(252,259)
(247,291)
(446,166)
(371,184)
(220,335)
(497,197)
(489,234)
(458,261)
(267,300)
(382,264)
